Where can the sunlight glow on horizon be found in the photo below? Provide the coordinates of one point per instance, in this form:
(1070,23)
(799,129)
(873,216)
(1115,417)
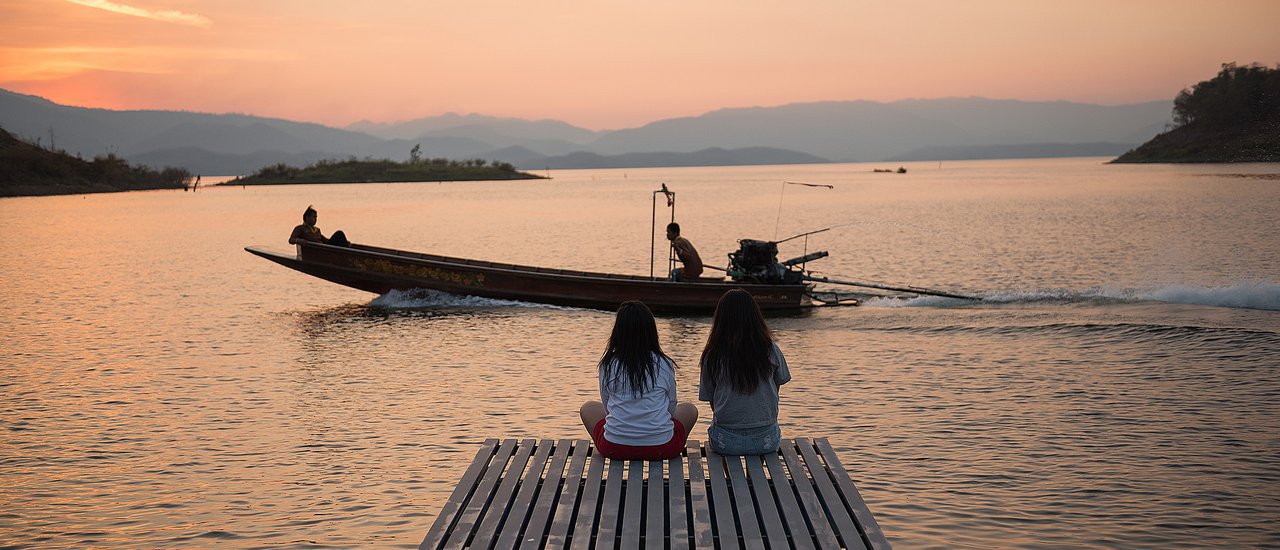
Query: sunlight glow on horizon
(611,65)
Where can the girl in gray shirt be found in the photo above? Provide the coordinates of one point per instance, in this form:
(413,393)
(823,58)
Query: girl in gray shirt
(742,369)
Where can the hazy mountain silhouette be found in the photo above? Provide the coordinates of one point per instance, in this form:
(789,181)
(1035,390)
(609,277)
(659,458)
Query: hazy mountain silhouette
(868,131)
(457,124)
(714,156)
(836,131)
(1014,151)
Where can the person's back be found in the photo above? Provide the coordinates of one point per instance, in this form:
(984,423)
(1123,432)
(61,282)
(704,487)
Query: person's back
(741,372)
(637,417)
(688,255)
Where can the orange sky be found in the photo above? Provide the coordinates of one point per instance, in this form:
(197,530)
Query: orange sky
(612,63)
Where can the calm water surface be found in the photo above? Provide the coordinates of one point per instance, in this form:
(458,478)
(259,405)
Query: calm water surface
(160,387)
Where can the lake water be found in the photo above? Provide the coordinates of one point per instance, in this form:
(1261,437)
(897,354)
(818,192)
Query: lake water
(1120,386)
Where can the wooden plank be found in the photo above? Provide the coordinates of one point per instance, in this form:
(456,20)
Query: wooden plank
(497,513)
(800,497)
(722,506)
(762,489)
(748,524)
(808,498)
(836,510)
(699,504)
(449,512)
(522,506)
(678,522)
(866,522)
(540,519)
(632,510)
(607,531)
(655,519)
(583,529)
(801,535)
(479,500)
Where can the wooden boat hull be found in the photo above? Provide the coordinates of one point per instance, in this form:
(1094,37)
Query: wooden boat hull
(381,270)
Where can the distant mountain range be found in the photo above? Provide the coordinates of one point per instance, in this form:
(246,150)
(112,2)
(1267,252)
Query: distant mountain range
(845,131)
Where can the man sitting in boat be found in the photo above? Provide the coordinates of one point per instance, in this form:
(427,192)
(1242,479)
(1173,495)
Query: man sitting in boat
(308,232)
(687,254)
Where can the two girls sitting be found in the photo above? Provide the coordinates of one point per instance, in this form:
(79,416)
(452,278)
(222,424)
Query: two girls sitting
(638,417)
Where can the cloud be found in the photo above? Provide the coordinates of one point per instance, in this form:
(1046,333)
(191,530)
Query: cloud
(158,15)
(54,63)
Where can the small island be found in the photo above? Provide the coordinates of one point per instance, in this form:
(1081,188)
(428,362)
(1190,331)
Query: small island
(1234,117)
(31,169)
(416,169)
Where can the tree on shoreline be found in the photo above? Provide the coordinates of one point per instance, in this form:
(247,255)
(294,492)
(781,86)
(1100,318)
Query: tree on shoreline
(1233,117)
(1238,95)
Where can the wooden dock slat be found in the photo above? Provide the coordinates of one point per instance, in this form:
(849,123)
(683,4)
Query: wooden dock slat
(540,520)
(721,506)
(587,509)
(479,500)
(656,503)
(607,531)
(632,510)
(837,513)
(748,523)
(449,513)
(678,519)
(699,502)
(866,522)
(808,498)
(522,507)
(764,499)
(801,538)
(536,494)
(558,536)
(497,512)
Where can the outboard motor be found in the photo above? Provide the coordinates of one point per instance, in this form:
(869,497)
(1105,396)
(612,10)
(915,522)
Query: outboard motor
(756,262)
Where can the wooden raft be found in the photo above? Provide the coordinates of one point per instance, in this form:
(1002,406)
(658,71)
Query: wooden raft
(563,494)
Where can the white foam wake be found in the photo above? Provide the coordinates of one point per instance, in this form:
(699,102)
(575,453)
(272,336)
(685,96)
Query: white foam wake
(420,298)
(1254,295)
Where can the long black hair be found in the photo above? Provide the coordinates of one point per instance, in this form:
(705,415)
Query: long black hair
(738,349)
(633,348)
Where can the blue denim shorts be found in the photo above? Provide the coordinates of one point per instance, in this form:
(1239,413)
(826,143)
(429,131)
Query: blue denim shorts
(755,441)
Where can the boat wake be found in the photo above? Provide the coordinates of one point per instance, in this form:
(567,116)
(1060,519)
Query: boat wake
(421,298)
(1245,295)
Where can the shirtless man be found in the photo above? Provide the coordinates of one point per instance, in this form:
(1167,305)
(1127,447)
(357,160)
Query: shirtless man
(687,254)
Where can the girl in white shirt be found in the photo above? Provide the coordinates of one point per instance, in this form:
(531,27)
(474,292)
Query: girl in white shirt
(637,417)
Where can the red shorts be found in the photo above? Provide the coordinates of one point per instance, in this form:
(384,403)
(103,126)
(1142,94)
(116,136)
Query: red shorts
(670,449)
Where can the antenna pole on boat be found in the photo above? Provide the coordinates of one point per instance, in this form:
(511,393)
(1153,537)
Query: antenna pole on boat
(777,223)
(653,227)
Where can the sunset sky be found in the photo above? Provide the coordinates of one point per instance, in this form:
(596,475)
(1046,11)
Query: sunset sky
(611,64)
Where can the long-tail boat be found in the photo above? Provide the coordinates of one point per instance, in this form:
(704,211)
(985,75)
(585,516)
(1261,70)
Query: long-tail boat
(381,270)
(754,267)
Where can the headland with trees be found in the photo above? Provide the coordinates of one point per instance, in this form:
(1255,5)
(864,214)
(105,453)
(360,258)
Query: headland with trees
(1233,117)
(32,168)
(416,169)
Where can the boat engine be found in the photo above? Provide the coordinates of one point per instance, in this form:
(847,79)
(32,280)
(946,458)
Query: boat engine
(757,262)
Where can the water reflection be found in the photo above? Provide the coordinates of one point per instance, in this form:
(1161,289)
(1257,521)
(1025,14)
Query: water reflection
(1118,380)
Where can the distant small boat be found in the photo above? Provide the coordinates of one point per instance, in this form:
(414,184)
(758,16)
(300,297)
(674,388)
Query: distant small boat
(381,270)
